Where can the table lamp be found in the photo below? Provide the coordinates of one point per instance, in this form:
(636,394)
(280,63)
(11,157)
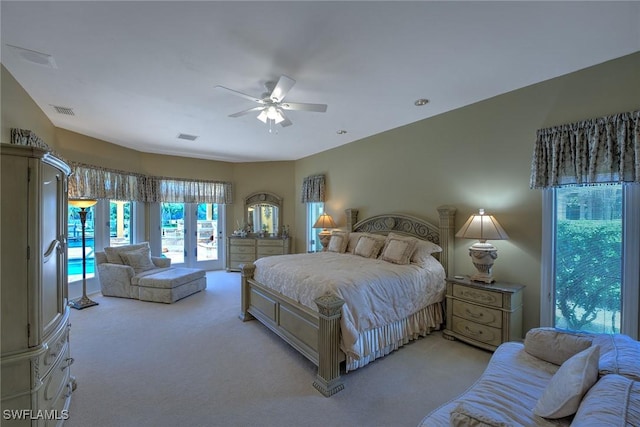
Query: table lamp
(324,221)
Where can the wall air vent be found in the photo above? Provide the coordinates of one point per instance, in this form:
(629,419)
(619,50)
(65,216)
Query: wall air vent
(187,137)
(64,110)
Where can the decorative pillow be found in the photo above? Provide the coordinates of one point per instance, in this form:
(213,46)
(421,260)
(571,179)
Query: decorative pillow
(423,251)
(353,241)
(398,249)
(564,392)
(554,345)
(139,259)
(613,401)
(338,242)
(113,252)
(368,246)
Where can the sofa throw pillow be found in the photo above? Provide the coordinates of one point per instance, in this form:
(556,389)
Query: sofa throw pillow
(554,345)
(566,388)
(398,249)
(139,259)
(338,242)
(368,247)
(613,401)
(113,252)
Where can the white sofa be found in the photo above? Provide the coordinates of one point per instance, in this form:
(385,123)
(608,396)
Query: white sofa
(130,271)
(550,372)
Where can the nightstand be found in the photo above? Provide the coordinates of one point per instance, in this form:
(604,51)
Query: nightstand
(485,315)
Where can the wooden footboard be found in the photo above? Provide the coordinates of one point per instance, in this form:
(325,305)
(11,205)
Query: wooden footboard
(314,334)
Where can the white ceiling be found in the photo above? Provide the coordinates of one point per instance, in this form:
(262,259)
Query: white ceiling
(138,74)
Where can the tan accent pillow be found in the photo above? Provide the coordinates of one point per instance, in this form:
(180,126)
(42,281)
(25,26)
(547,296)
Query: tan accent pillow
(553,345)
(398,249)
(139,259)
(566,388)
(353,241)
(113,252)
(368,246)
(338,242)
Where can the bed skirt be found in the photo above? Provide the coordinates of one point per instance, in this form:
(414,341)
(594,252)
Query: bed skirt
(379,342)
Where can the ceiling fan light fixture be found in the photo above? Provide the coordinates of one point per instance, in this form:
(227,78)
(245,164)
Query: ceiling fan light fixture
(263,116)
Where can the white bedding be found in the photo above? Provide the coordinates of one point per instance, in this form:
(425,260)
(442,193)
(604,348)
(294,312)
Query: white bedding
(375,292)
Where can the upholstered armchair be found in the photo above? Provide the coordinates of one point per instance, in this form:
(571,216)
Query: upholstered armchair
(121,267)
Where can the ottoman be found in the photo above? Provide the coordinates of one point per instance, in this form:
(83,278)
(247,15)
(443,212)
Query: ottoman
(170,285)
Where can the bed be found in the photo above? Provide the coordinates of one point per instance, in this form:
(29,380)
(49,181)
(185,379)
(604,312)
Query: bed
(310,301)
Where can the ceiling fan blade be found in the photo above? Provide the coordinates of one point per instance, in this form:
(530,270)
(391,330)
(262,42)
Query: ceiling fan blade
(243,95)
(281,89)
(243,112)
(300,106)
(286,122)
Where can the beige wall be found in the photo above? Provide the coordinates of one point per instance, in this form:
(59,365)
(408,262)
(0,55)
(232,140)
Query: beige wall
(474,157)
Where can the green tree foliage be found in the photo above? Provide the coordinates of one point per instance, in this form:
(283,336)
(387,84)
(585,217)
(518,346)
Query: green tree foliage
(588,270)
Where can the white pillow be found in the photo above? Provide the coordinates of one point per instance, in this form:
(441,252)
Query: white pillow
(566,388)
(368,247)
(338,242)
(398,249)
(423,251)
(139,259)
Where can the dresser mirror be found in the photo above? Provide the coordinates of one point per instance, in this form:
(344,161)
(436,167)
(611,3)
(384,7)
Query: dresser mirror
(264,213)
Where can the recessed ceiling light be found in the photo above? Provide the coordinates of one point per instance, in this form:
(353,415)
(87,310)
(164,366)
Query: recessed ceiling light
(341,131)
(420,102)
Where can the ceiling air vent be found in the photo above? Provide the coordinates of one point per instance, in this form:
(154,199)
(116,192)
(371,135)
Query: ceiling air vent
(64,110)
(187,137)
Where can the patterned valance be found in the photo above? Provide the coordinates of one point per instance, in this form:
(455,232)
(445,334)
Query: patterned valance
(313,189)
(602,150)
(101,183)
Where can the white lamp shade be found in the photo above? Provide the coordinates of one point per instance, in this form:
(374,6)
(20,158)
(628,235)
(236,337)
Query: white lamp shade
(482,227)
(325,221)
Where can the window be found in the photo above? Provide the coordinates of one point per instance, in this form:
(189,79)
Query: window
(314,210)
(590,260)
(120,223)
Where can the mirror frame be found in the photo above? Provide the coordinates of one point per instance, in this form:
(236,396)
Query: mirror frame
(262,198)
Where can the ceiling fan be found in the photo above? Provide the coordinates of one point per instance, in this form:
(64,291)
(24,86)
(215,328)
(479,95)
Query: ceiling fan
(272,103)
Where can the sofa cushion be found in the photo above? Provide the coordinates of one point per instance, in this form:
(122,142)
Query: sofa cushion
(113,252)
(566,388)
(619,354)
(140,260)
(613,401)
(554,345)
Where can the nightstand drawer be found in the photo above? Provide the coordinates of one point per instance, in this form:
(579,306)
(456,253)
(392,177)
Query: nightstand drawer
(480,296)
(484,334)
(478,314)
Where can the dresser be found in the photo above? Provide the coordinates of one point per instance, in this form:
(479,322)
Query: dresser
(35,354)
(485,315)
(242,250)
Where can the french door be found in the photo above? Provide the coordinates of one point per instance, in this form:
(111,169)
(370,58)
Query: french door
(191,234)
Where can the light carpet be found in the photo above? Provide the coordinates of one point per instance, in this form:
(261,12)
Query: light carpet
(195,363)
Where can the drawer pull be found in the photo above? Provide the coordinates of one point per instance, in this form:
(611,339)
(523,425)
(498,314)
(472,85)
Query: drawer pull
(67,362)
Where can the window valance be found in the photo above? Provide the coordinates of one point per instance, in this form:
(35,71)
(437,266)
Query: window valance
(313,189)
(601,150)
(102,183)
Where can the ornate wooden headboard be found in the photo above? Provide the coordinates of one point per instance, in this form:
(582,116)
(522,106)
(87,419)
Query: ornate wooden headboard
(442,234)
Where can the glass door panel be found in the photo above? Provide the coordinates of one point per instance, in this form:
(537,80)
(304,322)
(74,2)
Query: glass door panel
(172,229)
